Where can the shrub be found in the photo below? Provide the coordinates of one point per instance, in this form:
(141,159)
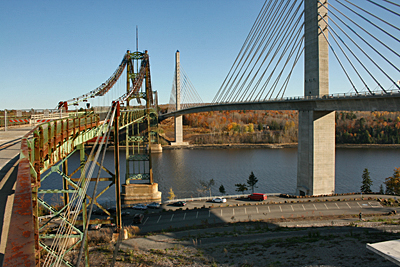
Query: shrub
(101,236)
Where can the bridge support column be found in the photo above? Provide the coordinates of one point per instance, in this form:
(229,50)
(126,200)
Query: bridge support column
(139,165)
(316,153)
(316,150)
(178,119)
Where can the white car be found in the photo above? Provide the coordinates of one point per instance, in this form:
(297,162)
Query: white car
(219,200)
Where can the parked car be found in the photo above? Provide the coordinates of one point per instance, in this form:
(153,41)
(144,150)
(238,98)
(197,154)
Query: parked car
(95,226)
(219,200)
(154,205)
(258,196)
(140,207)
(179,203)
(138,218)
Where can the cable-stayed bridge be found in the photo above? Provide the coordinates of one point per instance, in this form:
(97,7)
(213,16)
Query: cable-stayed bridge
(356,43)
(342,43)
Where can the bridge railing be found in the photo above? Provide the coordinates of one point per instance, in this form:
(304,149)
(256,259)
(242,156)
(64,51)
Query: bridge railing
(351,95)
(329,96)
(33,117)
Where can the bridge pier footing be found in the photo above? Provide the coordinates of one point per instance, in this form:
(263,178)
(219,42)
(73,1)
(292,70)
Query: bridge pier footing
(316,153)
(138,193)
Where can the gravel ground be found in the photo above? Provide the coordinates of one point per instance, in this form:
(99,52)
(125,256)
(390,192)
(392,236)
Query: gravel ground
(255,244)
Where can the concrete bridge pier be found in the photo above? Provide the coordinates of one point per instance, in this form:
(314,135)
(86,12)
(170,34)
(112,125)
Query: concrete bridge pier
(316,153)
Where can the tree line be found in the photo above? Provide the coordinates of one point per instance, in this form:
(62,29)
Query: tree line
(392,183)
(255,126)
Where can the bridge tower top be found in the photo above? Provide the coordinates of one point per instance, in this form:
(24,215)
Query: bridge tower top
(178,80)
(316,59)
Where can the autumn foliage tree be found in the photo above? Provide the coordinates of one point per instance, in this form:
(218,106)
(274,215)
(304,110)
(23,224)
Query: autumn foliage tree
(393,183)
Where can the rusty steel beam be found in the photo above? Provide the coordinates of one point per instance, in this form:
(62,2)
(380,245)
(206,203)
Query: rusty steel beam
(50,143)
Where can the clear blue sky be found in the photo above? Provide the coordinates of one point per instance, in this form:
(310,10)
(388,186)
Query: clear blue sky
(57,50)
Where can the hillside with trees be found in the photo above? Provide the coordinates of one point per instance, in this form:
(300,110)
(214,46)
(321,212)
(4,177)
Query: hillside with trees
(368,127)
(225,127)
(278,127)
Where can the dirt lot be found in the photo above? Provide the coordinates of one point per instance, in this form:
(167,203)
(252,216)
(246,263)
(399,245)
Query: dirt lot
(333,242)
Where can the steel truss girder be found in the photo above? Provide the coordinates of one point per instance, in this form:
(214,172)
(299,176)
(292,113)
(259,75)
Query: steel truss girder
(49,250)
(52,142)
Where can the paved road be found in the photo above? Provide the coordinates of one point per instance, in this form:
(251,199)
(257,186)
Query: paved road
(9,155)
(157,221)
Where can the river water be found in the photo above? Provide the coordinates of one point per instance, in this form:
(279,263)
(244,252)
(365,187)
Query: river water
(275,169)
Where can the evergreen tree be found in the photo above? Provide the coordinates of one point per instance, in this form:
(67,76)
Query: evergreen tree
(222,189)
(393,183)
(366,182)
(381,190)
(252,181)
(241,187)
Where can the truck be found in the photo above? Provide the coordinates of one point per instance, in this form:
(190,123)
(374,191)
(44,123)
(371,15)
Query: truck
(257,196)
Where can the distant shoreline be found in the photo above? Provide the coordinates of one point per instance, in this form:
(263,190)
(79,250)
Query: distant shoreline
(273,146)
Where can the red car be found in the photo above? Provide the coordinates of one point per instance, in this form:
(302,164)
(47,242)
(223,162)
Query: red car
(258,196)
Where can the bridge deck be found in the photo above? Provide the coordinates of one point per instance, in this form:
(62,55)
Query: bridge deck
(347,102)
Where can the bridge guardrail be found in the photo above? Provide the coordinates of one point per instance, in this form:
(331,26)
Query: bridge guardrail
(11,118)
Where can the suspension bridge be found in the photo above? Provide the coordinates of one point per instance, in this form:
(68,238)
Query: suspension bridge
(364,43)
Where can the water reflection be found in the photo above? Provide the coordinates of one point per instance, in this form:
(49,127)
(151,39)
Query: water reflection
(275,169)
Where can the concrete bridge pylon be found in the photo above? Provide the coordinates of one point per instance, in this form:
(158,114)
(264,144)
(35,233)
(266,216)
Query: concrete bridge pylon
(178,119)
(316,149)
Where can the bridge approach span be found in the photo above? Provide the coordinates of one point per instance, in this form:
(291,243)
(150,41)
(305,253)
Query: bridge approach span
(352,102)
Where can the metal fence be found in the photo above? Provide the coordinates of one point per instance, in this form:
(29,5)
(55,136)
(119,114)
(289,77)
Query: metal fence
(32,117)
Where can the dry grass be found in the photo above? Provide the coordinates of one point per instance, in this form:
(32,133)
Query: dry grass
(100,237)
(309,249)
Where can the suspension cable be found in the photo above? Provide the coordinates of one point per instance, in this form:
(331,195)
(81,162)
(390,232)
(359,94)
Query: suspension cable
(59,243)
(263,10)
(94,192)
(260,25)
(290,41)
(355,43)
(233,96)
(279,37)
(372,37)
(385,8)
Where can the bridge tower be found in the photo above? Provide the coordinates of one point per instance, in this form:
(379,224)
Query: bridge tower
(139,184)
(178,119)
(316,148)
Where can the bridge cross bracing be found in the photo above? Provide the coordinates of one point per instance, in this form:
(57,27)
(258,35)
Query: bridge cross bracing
(45,151)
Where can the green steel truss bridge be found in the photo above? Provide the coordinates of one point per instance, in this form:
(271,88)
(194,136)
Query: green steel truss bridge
(46,150)
(358,39)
